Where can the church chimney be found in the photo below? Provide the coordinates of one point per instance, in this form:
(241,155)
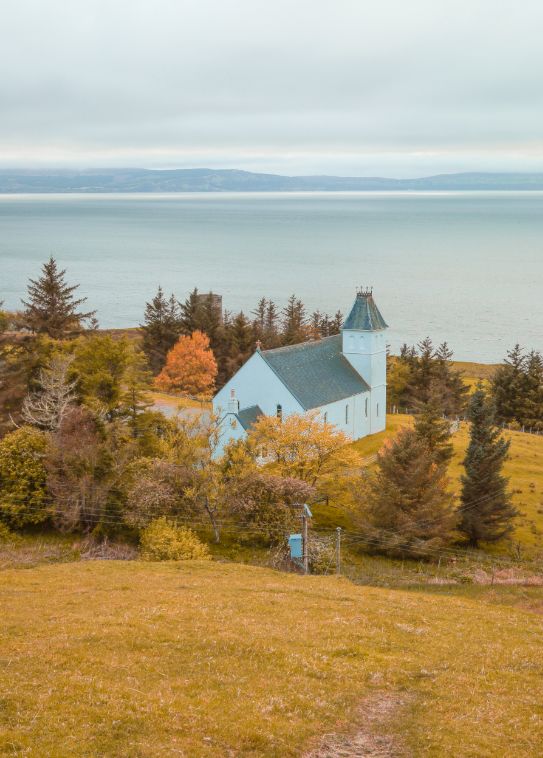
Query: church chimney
(233,403)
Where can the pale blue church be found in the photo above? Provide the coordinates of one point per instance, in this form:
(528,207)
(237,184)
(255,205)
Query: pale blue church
(342,377)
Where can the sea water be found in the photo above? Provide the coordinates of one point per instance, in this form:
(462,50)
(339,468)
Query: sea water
(465,267)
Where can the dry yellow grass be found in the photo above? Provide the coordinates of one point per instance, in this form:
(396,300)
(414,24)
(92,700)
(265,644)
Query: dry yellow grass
(174,403)
(198,659)
(524,469)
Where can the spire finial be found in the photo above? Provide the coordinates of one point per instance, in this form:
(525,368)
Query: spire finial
(364,291)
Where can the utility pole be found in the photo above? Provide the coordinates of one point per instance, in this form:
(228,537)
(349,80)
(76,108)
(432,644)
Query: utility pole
(305,542)
(338,550)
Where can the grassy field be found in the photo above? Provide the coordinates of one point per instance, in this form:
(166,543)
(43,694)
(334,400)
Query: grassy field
(134,659)
(524,469)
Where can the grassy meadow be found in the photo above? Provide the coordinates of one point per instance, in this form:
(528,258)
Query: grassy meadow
(524,469)
(115,658)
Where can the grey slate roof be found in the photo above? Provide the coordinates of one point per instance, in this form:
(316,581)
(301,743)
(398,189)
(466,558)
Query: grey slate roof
(316,373)
(365,314)
(248,416)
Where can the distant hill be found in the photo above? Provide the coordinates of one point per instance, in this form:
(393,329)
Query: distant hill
(232,180)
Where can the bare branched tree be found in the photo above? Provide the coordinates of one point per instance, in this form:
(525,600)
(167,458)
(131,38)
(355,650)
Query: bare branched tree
(47,407)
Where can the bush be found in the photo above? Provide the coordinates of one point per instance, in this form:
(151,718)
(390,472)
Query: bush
(6,536)
(163,540)
(23,495)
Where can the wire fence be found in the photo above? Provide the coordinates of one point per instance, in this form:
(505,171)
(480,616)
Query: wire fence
(457,420)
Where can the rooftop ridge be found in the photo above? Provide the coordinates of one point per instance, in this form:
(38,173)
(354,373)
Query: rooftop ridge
(299,345)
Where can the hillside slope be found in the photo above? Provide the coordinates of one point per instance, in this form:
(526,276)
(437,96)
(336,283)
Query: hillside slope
(117,659)
(235,180)
(524,469)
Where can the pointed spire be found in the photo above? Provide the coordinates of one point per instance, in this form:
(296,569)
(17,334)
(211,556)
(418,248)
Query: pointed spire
(365,315)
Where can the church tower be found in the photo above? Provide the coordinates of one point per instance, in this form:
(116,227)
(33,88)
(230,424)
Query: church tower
(364,346)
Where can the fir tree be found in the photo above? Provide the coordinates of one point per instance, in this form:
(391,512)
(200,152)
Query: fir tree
(408,506)
(294,321)
(134,399)
(51,308)
(533,401)
(448,382)
(336,323)
(434,430)
(161,329)
(211,321)
(272,336)
(422,371)
(241,340)
(318,325)
(259,321)
(509,386)
(3,319)
(192,314)
(486,512)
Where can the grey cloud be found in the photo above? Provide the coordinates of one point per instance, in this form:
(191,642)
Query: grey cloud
(288,86)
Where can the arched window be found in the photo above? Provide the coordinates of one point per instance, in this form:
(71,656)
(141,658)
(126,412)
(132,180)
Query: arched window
(326,417)
(377,409)
(366,407)
(279,412)
(347,413)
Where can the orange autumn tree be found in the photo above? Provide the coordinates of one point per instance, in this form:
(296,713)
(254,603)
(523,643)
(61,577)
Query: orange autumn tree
(190,367)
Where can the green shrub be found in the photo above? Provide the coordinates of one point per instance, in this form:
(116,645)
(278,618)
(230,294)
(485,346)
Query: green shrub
(163,540)
(23,494)
(6,536)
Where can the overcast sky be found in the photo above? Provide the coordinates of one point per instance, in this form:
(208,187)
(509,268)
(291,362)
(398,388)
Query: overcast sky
(351,87)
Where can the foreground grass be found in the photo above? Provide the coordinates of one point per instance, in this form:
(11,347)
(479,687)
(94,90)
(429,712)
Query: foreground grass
(117,659)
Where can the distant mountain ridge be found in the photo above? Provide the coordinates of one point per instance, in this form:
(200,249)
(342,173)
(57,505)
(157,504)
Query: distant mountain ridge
(234,180)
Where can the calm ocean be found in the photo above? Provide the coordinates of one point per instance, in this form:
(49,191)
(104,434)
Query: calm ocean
(461,267)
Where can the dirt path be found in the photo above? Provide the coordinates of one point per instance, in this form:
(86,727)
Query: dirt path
(373,736)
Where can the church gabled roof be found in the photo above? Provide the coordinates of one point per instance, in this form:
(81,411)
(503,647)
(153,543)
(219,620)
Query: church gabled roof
(248,416)
(365,315)
(316,373)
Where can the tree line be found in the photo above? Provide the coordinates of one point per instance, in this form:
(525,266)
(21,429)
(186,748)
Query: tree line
(232,336)
(84,450)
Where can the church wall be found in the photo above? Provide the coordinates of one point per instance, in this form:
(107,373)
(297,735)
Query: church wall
(378,409)
(256,384)
(357,424)
(366,352)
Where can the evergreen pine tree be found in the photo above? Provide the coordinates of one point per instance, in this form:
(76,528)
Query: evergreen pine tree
(211,321)
(272,336)
(408,506)
(318,325)
(134,399)
(259,321)
(51,308)
(448,382)
(532,412)
(3,319)
(161,329)
(422,372)
(294,321)
(486,512)
(433,429)
(509,386)
(241,340)
(336,323)
(193,315)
